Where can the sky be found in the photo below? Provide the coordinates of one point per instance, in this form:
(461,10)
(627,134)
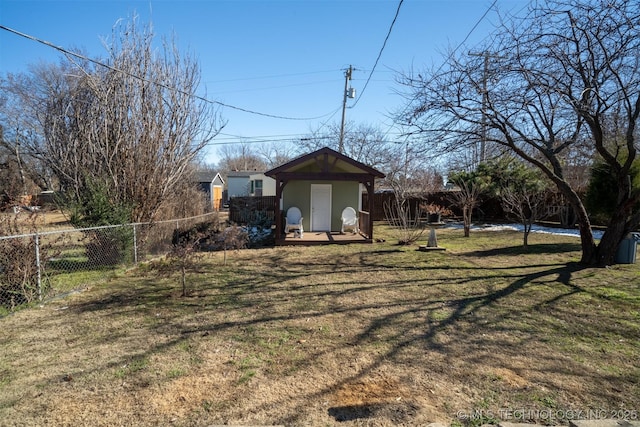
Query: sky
(284,58)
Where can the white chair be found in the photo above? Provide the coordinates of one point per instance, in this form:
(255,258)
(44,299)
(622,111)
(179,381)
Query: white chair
(294,220)
(349,220)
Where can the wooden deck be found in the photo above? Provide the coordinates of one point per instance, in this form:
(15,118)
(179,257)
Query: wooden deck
(322,238)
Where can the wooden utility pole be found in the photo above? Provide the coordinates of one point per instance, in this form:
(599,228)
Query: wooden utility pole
(482,156)
(347,92)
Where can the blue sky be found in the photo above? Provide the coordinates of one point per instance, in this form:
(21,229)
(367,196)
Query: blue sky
(283,58)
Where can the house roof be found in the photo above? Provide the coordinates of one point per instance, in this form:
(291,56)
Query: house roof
(241,174)
(208,176)
(325,160)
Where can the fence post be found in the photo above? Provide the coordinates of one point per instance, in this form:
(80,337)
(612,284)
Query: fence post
(135,246)
(37,242)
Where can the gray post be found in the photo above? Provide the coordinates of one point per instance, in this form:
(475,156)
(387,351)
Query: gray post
(135,245)
(37,241)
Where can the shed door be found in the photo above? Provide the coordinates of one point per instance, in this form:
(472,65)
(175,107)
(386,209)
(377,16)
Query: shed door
(217,197)
(320,207)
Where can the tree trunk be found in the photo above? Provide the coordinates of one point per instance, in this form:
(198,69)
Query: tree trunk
(605,253)
(527,229)
(584,224)
(466,218)
(621,222)
(567,218)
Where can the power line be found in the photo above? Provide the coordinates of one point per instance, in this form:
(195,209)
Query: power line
(225,138)
(276,87)
(379,53)
(241,140)
(275,76)
(110,67)
(450,56)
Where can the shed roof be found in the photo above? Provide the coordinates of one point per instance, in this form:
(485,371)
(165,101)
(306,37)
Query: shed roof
(325,160)
(208,176)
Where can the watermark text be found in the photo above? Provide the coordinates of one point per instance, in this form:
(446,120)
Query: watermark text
(523,414)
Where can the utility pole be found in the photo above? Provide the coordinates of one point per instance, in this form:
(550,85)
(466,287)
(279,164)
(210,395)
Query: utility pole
(348,92)
(485,101)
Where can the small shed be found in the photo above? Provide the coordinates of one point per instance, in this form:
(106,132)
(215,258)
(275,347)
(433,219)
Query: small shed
(212,185)
(321,184)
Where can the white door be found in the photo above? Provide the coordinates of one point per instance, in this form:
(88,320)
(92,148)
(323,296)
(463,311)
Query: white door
(320,207)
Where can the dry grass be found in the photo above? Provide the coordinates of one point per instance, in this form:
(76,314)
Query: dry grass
(376,334)
(28,222)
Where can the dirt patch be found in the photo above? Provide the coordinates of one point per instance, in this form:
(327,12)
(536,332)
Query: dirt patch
(373,398)
(510,378)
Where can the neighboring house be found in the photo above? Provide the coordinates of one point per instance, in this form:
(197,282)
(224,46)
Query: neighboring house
(212,185)
(238,183)
(261,185)
(321,184)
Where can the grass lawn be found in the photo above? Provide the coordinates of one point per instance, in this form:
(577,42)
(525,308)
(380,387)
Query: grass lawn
(376,334)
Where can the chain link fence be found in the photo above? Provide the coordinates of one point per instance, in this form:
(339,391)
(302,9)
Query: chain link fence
(37,266)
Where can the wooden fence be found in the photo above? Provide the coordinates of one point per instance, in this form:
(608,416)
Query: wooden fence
(245,210)
(380,200)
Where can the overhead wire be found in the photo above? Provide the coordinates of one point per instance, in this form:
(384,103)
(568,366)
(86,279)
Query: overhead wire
(163,85)
(388,132)
(259,140)
(373,69)
(242,140)
(384,44)
(271,138)
(275,76)
(450,55)
(276,87)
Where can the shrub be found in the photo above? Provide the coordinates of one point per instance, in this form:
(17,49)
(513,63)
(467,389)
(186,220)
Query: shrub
(23,264)
(602,193)
(108,246)
(406,226)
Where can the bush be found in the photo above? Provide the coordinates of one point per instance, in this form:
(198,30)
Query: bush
(406,226)
(259,230)
(108,246)
(20,278)
(602,193)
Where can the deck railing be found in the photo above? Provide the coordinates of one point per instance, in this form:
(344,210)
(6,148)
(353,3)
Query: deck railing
(364,220)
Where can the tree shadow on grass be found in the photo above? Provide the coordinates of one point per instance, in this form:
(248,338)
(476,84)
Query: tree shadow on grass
(267,299)
(538,248)
(462,308)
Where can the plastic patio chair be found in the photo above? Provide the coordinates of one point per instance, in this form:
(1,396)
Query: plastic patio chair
(349,220)
(294,220)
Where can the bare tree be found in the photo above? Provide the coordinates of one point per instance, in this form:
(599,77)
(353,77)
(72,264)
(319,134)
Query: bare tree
(467,198)
(364,143)
(522,190)
(274,154)
(558,76)
(527,204)
(240,157)
(134,126)
(20,173)
(404,222)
